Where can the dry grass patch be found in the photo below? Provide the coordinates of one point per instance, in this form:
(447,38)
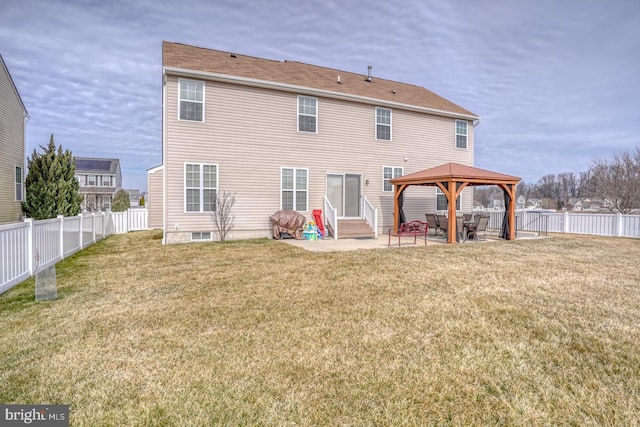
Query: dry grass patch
(262,333)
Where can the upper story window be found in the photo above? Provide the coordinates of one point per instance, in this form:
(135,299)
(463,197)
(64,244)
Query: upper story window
(294,189)
(200,187)
(307,114)
(388,173)
(19,191)
(383,123)
(191,100)
(91,180)
(461,134)
(441,201)
(107,181)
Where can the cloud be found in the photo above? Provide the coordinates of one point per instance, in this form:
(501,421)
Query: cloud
(554,83)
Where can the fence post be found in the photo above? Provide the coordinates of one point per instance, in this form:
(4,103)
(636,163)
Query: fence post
(61,218)
(619,225)
(30,244)
(81,229)
(565,219)
(93,226)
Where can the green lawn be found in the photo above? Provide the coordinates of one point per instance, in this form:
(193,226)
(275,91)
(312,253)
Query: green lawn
(532,332)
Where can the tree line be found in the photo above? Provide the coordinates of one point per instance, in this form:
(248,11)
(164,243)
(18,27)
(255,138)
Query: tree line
(615,181)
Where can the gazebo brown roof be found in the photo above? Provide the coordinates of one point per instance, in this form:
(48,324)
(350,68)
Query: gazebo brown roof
(452,178)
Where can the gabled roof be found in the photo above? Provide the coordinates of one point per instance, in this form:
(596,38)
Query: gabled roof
(13,85)
(296,76)
(455,172)
(97,165)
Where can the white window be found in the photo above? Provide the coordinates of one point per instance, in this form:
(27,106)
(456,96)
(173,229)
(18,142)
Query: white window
(91,180)
(19,191)
(383,123)
(461,134)
(294,189)
(191,100)
(441,201)
(106,181)
(200,187)
(388,173)
(307,114)
(200,236)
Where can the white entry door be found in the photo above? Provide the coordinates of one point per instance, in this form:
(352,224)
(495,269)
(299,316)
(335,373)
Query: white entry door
(344,192)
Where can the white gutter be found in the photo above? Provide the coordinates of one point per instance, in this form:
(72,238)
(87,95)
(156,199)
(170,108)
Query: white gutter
(183,72)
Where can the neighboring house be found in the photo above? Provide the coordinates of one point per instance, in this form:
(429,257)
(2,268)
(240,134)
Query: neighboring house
(534,204)
(288,135)
(13,120)
(521,202)
(99,180)
(134,198)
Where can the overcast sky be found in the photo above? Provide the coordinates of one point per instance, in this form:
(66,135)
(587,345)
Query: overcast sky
(556,83)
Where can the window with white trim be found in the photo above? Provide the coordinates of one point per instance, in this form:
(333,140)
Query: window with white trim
(91,180)
(294,185)
(388,173)
(307,114)
(200,187)
(191,105)
(441,201)
(200,236)
(383,123)
(19,179)
(461,133)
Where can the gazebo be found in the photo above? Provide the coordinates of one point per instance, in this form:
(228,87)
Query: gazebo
(452,178)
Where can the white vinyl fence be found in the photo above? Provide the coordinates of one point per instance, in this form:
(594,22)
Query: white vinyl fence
(600,224)
(31,246)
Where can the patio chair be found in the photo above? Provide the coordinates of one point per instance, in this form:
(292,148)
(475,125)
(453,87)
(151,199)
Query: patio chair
(443,224)
(481,228)
(432,220)
(467,217)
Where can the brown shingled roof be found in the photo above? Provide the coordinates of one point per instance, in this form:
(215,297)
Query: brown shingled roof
(297,74)
(455,172)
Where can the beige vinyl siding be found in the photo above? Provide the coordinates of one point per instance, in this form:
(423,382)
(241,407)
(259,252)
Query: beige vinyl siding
(154,201)
(12,150)
(250,133)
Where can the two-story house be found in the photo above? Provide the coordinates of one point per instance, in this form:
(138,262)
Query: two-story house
(13,120)
(99,180)
(289,135)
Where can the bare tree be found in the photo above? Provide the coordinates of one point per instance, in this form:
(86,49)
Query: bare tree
(618,181)
(222,216)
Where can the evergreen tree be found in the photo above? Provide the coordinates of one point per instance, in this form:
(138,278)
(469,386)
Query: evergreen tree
(120,202)
(51,185)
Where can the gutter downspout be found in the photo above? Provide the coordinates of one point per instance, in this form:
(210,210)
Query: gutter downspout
(164,157)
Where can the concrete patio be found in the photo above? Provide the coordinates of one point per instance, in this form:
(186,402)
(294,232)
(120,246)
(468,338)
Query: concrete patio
(381,242)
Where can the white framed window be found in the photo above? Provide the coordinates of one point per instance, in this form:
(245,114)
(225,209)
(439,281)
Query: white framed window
(201,236)
(19,180)
(200,187)
(106,181)
(294,189)
(191,105)
(388,173)
(307,114)
(461,133)
(383,124)
(441,201)
(91,180)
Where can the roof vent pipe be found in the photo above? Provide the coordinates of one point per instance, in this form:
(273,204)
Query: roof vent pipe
(369,67)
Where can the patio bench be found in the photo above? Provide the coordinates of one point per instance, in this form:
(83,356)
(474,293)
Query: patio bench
(412,228)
